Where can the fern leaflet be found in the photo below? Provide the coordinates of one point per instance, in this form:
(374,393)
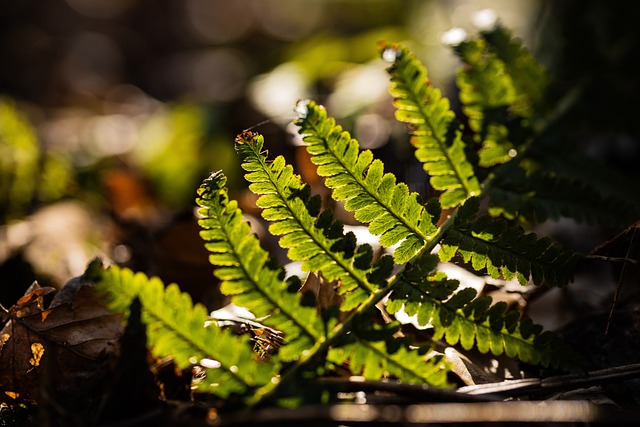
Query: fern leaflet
(441,151)
(313,238)
(176,328)
(500,85)
(466,319)
(529,78)
(357,179)
(539,196)
(506,250)
(373,353)
(243,267)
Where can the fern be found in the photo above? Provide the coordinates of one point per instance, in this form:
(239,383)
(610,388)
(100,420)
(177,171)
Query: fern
(463,317)
(244,269)
(438,145)
(500,95)
(506,251)
(500,86)
(529,78)
(358,180)
(539,196)
(176,328)
(313,238)
(235,251)
(372,358)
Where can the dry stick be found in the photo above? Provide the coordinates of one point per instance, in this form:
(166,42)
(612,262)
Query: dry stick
(611,258)
(562,382)
(411,392)
(619,287)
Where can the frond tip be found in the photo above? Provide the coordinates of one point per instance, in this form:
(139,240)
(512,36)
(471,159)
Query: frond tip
(438,144)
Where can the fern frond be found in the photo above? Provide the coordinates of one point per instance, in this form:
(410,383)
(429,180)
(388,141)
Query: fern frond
(242,266)
(539,196)
(176,328)
(529,78)
(473,321)
(358,180)
(501,83)
(312,237)
(380,358)
(506,250)
(486,93)
(441,151)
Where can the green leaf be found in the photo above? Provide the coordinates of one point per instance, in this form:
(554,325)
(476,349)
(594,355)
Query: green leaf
(508,251)
(285,201)
(375,354)
(461,317)
(540,196)
(440,149)
(358,179)
(500,85)
(176,328)
(248,276)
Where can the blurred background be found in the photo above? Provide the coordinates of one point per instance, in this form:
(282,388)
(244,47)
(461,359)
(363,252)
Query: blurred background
(112,112)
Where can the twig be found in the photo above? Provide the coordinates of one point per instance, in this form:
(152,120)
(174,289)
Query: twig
(619,287)
(414,392)
(611,258)
(563,382)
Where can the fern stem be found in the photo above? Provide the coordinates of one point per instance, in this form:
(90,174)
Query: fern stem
(339,330)
(323,344)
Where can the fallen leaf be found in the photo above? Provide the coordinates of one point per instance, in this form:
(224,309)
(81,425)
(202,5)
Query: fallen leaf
(76,336)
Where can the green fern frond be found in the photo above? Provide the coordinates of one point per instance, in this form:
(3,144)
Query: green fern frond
(486,93)
(539,196)
(313,238)
(242,266)
(176,328)
(379,358)
(440,149)
(529,78)
(500,85)
(358,180)
(462,317)
(506,250)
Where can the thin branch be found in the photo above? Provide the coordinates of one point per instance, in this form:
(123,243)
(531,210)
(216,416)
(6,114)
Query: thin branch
(528,386)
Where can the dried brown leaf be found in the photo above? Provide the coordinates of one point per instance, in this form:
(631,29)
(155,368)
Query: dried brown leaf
(78,334)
